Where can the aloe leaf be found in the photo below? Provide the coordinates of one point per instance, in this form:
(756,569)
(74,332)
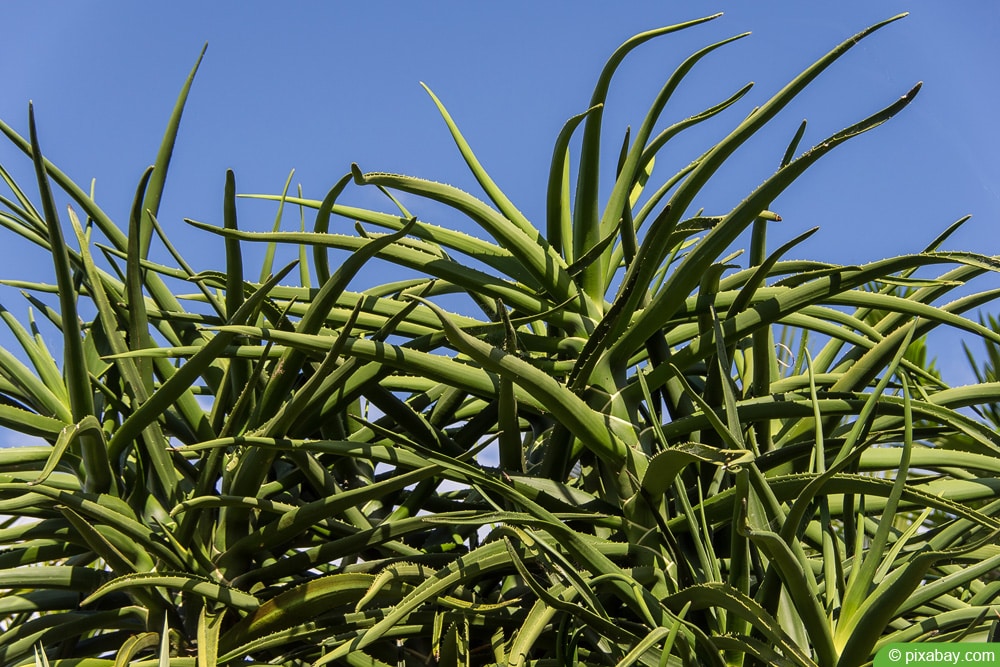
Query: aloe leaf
(336,390)
(761,271)
(81,398)
(32,390)
(133,646)
(234,255)
(180,381)
(30,423)
(132,372)
(158,291)
(711,595)
(863,575)
(724,365)
(483,560)
(598,250)
(665,466)
(104,223)
(928,459)
(185,272)
(137,320)
(60,577)
(558,213)
(104,510)
(409,420)
(509,439)
(437,367)
(787,301)
(890,345)
(43,362)
(295,521)
(798,582)
(304,277)
(70,434)
(931,591)
(302,602)
(59,627)
(617,317)
(858,634)
(25,209)
(483,251)
(209,590)
(560,596)
(25,230)
(496,195)
(533,626)
(122,553)
(209,626)
(279,386)
(912,307)
(631,170)
(268,262)
(666,635)
(951,497)
(576,415)
(322,225)
(654,146)
(375,310)
(154,193)
(237,371)
(473,280)
(938,626)
(764,358)
(586,221)
(291,410)
(732,440)
(528,247)
(689,271)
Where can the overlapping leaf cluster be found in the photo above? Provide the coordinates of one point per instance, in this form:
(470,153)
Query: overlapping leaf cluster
(605,458)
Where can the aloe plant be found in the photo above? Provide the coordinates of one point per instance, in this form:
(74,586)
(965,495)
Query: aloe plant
(599,452)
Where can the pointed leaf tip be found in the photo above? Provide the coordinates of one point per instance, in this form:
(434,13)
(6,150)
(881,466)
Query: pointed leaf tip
(359,177)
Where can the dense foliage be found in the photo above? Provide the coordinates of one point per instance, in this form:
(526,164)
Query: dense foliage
(626,444)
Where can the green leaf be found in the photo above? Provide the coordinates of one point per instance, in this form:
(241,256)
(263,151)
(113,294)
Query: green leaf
(67,438)
(688,273)
(209,625)
(154,193)
(292,360)
(133,646)
(720,595)
(544,265)
(586,424)
(180,382)
(586,221)
(81,399)
(201,587)
(138,321)
(558,213)
(665,466)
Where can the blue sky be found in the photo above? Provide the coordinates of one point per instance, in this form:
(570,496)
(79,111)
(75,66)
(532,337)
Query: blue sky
(317,85)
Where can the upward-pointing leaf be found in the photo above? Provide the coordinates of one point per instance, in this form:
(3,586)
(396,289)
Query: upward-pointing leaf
(81,398)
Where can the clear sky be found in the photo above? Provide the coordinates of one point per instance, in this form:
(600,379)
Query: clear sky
(317,85)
